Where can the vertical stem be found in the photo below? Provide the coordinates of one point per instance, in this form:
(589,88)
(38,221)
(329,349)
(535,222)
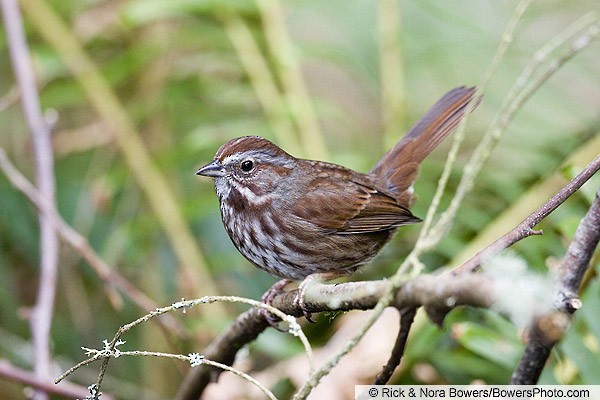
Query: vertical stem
(261,78)
(294,89)
(393,101)
(41,317)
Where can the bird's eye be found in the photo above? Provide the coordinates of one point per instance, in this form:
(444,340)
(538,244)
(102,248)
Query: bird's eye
(247,165)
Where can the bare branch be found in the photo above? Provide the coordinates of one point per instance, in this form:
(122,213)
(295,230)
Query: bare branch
(547,330)
(66,389)
(107,274)
(544,333)
(577,259)
(525,228)
(407,317)
(433,291)
(110,348)
(41,318)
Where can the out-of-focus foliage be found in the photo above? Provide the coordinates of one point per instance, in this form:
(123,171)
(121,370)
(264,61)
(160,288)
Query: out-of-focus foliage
(181,80)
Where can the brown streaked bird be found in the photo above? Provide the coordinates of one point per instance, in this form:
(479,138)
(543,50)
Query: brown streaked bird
(295,218)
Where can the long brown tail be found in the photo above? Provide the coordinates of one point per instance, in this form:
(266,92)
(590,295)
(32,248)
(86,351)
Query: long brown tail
(398,167)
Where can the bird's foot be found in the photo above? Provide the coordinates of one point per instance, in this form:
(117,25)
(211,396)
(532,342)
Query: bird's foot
(268,297)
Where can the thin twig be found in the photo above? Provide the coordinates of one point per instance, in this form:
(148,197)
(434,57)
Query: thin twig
(545,51)
(426,238)
(533,76)
(202,361)
(518,211)
(110,348)
(193,359)
(66,389)
(525,228)
(41,317)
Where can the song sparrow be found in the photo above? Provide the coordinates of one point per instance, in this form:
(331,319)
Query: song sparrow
(294,217)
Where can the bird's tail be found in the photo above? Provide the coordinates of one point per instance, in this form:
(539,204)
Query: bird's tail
(398,167)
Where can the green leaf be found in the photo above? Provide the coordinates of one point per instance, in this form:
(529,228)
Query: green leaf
(488,343)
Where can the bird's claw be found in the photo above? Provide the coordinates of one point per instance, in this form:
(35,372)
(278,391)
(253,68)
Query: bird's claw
(277,289)
(268,297)
(299,300)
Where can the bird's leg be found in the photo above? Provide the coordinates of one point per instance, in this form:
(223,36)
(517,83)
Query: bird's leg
(311,280)
(268,297)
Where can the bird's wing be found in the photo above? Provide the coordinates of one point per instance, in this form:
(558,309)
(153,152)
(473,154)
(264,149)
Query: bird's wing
(346,202)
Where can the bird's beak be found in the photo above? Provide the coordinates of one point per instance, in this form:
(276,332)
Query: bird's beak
(213,169)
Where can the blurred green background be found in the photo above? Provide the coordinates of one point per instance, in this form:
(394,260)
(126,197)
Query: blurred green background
(336,80)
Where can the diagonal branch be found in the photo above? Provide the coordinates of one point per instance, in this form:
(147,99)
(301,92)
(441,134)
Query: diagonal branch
(547,330)
(106,274)
(525,228)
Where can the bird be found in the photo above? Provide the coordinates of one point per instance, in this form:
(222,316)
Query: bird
(308,220)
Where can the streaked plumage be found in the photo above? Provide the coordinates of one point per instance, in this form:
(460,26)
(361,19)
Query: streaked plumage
(294,217)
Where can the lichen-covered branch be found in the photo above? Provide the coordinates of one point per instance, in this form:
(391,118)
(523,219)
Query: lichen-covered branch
(546,330)
(433,291)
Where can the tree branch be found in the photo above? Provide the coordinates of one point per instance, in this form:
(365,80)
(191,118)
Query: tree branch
(576,261)
(41,317)
(407,317)
(547,330)
(433,291)
(525,228)
(107,274)
(65,389)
